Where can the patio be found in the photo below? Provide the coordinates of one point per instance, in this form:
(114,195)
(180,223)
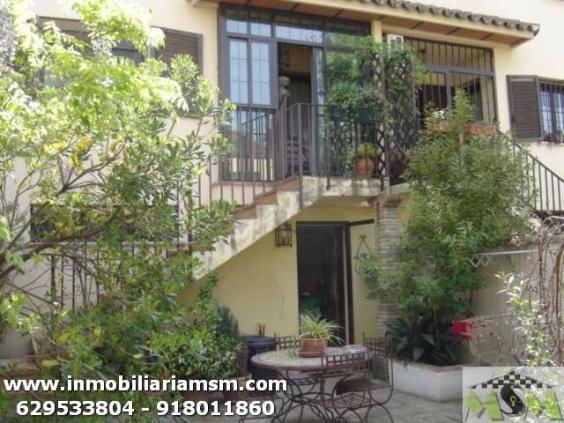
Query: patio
(403,407)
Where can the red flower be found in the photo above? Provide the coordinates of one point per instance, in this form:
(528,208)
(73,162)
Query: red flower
(462,329)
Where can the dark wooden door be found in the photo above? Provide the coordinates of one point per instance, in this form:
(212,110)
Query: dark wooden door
(322,250)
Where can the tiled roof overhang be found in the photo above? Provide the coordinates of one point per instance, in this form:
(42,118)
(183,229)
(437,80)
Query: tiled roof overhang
(426,9)
(410,16)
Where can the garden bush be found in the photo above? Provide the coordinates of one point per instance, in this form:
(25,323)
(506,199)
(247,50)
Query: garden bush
(466,197)
(91,139)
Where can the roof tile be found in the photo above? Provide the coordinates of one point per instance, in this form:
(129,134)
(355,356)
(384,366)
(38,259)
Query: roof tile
(457,14)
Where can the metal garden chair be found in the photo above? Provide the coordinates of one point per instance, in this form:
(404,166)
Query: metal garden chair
(361,381)
(301,385)
(336,405)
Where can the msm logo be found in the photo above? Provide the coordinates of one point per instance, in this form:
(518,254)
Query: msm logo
(512,397)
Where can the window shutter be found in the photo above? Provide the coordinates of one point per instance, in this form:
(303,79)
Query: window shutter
(68,26)
(177,42)
(524,106)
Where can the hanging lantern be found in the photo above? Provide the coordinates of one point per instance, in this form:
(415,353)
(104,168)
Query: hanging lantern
(7,36)
(283,235)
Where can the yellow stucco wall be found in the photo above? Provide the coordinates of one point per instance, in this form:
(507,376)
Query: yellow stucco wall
(535,57)
(260,285)
(172,14)
(538,56)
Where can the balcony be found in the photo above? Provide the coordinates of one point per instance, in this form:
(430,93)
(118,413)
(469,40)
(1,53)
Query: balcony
(305,140)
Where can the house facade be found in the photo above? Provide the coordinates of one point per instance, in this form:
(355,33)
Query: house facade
(306,216)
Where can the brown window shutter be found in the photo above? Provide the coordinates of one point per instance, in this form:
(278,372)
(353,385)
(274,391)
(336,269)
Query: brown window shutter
(68,26)
(177,42)
(524,106)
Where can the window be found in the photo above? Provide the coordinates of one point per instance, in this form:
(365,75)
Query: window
(178,42)
(238,71)
(298,30)
(128,51)
(249,72)
(260,24)
(452,69)
(537,108)
(250,37)
(237,22)
(552,109)
(260,71)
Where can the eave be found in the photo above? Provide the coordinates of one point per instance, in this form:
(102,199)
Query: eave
(411,16)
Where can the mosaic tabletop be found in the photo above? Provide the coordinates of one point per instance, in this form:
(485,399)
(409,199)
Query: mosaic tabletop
(290,359)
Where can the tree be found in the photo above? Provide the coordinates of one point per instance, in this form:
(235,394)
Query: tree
(92,165)
(88,142)
(466,196)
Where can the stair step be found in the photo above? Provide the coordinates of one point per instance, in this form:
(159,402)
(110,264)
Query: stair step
(290,184)
(270,197)
(246,212)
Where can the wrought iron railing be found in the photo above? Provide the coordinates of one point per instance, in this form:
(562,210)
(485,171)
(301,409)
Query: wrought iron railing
(542,184)
(301,140)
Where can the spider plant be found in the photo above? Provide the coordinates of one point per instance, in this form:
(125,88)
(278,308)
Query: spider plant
(314,327)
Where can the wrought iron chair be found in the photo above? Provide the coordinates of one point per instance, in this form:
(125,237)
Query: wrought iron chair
(363,382)
(287,342)
(301,384)
(282,343)
(335,405)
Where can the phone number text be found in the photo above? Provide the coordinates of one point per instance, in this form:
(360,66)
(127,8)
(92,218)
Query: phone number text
(161,408)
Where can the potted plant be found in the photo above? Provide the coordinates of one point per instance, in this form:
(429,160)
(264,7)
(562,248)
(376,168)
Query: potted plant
(426,349)
(367,114)
(337,113)
(364,165)
(315,333)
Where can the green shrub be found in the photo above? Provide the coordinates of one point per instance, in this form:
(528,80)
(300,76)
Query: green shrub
(466,198)
(197,345)
(424,340)
(366,151)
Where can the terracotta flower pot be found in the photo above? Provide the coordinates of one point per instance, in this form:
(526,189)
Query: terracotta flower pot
(237,395)
(481,128)
(441,125)
(196,396)
(474,128)
(313,347)
(364,166)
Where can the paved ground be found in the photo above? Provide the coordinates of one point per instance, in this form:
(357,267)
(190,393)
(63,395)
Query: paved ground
(403,408)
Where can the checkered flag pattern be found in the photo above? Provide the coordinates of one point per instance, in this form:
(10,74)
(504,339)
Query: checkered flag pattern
(513,380)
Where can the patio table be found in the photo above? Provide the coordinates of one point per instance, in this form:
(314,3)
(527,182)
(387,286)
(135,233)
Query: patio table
(295,369)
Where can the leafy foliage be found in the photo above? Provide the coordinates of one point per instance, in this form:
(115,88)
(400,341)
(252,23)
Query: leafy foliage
(366,150)
(228,324)
(423,340)
(530,322)
(364,89)
(315,327)
(198,346)
(90,139)
(353,79)
(466,198)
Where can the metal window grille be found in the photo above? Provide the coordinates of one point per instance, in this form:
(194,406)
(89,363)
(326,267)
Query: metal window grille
(552,110)
(453,68)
